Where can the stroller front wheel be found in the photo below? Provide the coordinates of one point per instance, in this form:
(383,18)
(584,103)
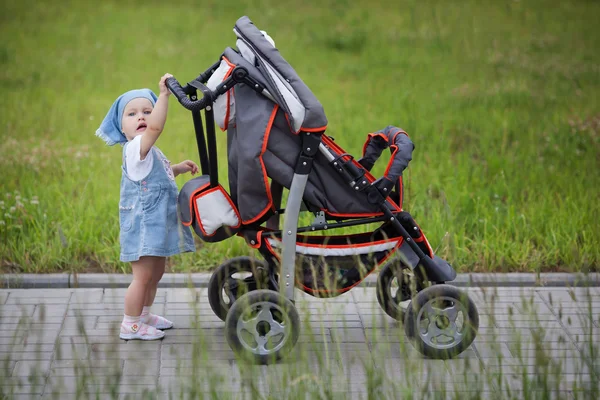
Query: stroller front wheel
(442,321)
(232,279)
(396,284)
(262,326)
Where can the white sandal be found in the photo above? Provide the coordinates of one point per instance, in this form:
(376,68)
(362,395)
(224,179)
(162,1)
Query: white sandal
(158,322)
(140,331)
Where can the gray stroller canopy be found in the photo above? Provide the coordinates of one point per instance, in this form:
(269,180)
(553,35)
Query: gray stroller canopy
(262,133)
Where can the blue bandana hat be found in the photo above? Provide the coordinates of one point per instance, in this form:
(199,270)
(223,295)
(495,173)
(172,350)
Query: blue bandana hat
(111,129)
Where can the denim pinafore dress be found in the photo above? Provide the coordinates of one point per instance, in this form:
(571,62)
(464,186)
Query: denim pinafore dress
(148,218)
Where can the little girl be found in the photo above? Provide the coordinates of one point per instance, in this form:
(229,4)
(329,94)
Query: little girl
(150,229)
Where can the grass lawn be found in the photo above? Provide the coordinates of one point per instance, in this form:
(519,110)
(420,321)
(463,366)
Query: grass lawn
(501,99)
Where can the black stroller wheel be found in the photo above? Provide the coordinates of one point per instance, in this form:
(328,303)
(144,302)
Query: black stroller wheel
(442,321)
(233,279)
(262,326)
(396,284)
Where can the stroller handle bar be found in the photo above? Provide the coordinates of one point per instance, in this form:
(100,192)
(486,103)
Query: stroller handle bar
(181,95)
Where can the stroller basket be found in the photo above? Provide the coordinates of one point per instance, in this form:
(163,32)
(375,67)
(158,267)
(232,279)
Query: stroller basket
(325,269)
(208,210)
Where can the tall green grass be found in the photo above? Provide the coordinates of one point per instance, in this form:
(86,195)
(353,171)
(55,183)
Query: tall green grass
(500,98)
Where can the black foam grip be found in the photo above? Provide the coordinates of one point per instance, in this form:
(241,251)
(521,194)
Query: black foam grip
(177,90)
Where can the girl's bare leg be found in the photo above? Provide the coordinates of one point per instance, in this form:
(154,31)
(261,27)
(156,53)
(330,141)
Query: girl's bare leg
(135,296)
(157,321)
(158,270)
(132,326)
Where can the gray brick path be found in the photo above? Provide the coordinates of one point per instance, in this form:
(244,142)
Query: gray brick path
(62,343)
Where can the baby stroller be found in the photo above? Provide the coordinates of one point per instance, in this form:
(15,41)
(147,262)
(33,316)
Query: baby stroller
(276,145)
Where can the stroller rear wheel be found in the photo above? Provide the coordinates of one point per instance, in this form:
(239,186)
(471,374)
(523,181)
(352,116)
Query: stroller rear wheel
(442,321)
(396,284)
(262,326)
(232,279)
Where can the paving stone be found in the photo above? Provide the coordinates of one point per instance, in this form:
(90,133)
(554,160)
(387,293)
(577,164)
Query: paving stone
(492,350)
(70,323)
(31,368)
(15,356)
(532,366)
(26,347)
(123,350)
(31,338)
(13,313)
(341,323)
(352,335)
(105,330)
(89,367)
(101,385)
(203,307)
(188,363)
(381,321)
(391,335)
(576,322)
(91,339)
(323,309)
(396,351)
(87,296)
(117,295)
(565,296)
(15,300)
(87,307)
(6,367)
(562,382)
(45,312)
(182,295)
(40,293)
(72,351)
(134,368)
(21,389)
(181,385)
(3,296)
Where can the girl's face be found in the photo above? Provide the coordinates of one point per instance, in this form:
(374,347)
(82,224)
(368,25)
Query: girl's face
(135,117)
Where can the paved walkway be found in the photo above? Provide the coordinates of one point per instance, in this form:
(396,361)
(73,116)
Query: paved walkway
(63,343)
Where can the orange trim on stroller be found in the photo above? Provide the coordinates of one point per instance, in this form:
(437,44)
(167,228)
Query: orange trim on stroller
(192,196)
(321,129)
(264,170)
(369,137)
(231,67)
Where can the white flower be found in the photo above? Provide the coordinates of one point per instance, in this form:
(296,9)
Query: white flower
(35,202)
(12,209)
(2,223)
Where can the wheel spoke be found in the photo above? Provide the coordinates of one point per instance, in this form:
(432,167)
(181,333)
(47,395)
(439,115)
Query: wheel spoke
(249,325)
(452,313)
(432,332)
(430,311)
(262,343)
(453,332)
(266,315)
(276,328)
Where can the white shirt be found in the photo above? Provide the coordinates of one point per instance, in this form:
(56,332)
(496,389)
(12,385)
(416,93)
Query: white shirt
(136,168)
